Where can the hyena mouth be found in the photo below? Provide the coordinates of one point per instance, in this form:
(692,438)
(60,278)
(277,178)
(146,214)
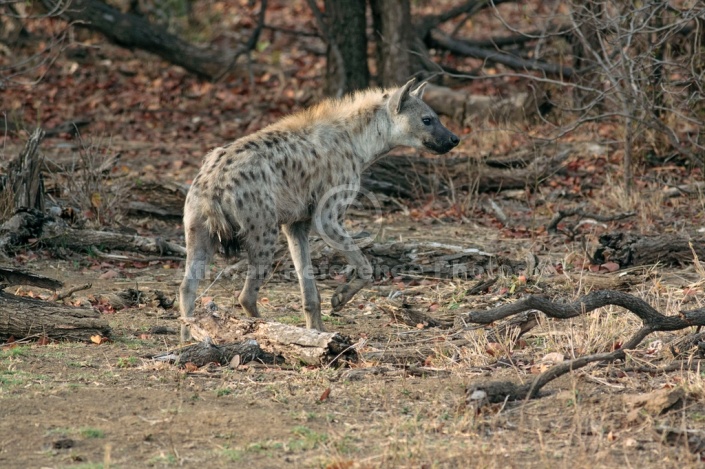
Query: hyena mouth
(441,147)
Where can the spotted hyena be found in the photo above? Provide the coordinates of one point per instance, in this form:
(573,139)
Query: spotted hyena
(296,173)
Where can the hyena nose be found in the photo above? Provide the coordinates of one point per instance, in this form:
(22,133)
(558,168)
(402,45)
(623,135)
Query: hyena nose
(454,139)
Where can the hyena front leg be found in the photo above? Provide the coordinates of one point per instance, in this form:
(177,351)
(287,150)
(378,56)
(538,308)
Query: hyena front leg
(297,237)
(199,250)
(329,224)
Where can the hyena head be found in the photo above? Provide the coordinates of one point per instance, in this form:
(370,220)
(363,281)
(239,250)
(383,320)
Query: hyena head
(414,123)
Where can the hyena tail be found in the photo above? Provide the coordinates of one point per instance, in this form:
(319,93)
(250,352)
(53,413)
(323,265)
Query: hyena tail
(224,229)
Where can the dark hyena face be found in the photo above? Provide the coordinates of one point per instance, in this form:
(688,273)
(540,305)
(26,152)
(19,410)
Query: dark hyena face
(414,123)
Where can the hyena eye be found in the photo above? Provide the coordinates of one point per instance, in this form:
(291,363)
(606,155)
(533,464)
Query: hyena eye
(426,121)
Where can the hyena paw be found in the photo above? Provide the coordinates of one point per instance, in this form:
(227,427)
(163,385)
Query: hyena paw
(185,334)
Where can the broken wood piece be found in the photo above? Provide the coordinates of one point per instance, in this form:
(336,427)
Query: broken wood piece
(205,352)
(294,344)
(406,314)
(22,317)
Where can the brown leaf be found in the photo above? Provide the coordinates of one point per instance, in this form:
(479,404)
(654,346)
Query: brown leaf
(493,348)
(325,395)
(97,339)
(341,465)
(610,266)
(190,367)
(43,340)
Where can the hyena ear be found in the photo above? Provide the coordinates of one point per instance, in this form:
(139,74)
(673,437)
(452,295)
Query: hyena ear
(398,97)
(418,92)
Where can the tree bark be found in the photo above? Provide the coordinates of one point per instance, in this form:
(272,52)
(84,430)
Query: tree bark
(394,35)
(346,27)
(23,317)
(132,31)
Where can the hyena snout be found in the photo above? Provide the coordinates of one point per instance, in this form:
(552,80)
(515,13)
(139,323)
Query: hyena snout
(441,141)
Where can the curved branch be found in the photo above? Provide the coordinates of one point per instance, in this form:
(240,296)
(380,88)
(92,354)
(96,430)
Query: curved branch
(653,321)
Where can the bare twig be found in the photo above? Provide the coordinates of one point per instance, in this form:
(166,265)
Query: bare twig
(71,291)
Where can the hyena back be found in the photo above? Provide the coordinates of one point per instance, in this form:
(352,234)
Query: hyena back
(300,168)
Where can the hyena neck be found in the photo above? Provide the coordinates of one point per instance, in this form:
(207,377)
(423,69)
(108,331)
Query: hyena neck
(371,138)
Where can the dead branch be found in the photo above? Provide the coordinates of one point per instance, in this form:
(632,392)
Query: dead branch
(133,31)
(653,321)
(65,294)
(407,314)
(552,226)
(440,40)
(428,22)
(685,189)
(10,277)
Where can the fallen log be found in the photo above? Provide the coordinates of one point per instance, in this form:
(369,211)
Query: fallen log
(629,249)
(22,317)
(412,176)
(294,344)
(42,229)
(466,108)
(405,260)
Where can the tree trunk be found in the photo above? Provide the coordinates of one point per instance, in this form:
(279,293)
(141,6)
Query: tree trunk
(394,36)
(346,26)
(22,317)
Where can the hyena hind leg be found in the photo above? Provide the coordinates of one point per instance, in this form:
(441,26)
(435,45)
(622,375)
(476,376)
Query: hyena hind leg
(259,257)
(199,251)
(339,239)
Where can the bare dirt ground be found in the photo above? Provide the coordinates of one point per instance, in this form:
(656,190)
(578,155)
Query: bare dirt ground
(78,405)
(110,405)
